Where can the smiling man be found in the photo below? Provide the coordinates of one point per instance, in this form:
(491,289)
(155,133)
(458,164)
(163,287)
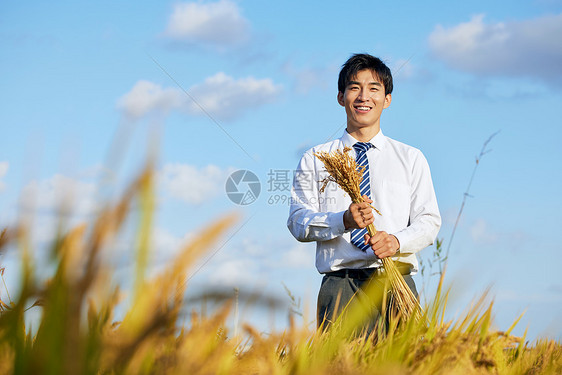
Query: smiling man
(396,180)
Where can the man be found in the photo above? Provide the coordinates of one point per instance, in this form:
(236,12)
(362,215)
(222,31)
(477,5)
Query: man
(397,182)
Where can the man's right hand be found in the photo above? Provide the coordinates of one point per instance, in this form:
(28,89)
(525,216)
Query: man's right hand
(359,215)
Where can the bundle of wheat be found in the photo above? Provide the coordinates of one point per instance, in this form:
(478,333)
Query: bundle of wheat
(344,171)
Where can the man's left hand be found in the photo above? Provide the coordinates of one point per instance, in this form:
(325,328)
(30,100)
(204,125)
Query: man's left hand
(383,244)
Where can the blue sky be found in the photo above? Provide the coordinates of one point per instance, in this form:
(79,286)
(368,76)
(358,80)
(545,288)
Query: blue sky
(89,89)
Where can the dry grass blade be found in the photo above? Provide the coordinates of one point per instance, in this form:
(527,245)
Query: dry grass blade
(8,235)
(3,237)
(344,171)
(166,290)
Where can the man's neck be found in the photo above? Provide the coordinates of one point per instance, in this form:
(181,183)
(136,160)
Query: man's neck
(363,134)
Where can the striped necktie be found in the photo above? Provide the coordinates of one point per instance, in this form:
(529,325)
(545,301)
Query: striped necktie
(357,235)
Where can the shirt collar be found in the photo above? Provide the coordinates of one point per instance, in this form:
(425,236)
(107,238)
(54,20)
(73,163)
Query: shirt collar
(378,140)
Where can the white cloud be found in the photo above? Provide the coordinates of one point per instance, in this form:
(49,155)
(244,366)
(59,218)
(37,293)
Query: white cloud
(165,243)
(166,246)
(148,97)
(60,192)
(299,256)
(190,184)
(242,263)
(306,79)
(219,24)
(529,48)
(252,248)
(4,166)
(227,98)
(236,273)
(221,96)
(44,203)
(484,233)
(480,233)
(248,263)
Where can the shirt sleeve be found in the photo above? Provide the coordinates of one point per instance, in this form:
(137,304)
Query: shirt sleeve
(306,222)
(425,219)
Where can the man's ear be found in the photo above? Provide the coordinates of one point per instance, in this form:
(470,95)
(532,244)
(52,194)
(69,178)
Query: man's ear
(340,99)
(387,100)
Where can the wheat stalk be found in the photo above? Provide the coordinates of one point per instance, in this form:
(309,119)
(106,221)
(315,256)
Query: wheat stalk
(344,171)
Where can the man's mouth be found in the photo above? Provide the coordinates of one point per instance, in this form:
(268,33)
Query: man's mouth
(361,108)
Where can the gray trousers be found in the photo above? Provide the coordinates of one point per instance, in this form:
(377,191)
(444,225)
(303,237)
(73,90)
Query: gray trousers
(340,287)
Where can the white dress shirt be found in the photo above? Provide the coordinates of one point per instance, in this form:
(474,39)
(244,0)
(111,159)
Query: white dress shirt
(401,189)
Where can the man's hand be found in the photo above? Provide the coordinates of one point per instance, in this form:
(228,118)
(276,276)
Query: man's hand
(359,215)
(383,244)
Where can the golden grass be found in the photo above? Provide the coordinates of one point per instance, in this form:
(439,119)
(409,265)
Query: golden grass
(344,171)
(78,334)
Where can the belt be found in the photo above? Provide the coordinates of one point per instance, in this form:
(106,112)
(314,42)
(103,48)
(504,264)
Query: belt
(365,273)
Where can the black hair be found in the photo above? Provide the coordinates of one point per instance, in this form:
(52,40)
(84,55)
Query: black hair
(363,61)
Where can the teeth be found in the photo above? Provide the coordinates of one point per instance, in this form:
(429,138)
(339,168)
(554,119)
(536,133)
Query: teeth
(363,108)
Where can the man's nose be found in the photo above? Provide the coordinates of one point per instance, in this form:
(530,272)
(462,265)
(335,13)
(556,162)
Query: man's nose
(363,95)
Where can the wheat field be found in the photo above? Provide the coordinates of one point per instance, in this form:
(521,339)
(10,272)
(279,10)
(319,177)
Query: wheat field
(77,331)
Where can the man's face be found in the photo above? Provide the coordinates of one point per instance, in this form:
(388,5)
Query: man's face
(364,100)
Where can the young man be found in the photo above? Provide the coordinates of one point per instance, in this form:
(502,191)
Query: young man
(396,180)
